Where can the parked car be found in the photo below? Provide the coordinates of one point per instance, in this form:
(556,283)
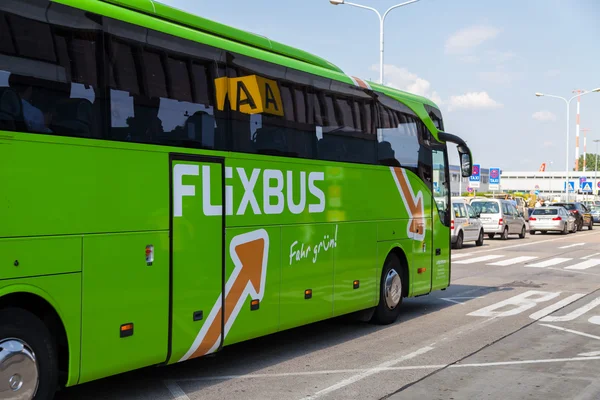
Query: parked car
(499,217)
(582,214)
(547,219)
(595,211)
(465,224)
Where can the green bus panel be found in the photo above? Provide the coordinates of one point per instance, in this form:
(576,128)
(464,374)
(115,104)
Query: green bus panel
(100,188)
(307,264)
(355,259)
(63,293)
(120,286)
(441,262)
(197,257)
(246,323)
(25,257)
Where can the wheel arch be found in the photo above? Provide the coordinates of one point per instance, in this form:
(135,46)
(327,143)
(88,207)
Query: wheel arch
(41,304)
(398,250)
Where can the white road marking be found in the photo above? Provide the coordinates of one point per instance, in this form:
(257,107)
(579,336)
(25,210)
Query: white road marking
(590,357)
(521,302)
(478,259)
(512,261)
(590,354)
(573,314)
(548,263)
(368,372)
(454,299)
(590,256)
(572,245)
(461,255)
(542,361)
(535,242)
(176,391)
(556,306)
(560,328)
(585,264)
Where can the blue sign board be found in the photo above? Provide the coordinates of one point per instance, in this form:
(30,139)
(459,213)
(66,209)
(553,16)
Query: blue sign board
(587,186)
(571,186)
(581,181)
(475,177)
(494,176)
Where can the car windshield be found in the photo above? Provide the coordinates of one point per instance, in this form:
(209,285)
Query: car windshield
(545,211)
(485,207)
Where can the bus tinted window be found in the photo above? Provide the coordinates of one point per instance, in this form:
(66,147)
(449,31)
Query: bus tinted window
(152,96)
(48,72)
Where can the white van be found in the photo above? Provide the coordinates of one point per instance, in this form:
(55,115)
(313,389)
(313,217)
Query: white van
(465,226)
(499,217)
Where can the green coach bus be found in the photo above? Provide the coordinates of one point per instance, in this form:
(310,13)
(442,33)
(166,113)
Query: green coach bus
(171,185)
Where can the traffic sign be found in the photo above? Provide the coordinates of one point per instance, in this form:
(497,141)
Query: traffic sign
(537,187)
(581,180)
(494,178)
(475,177)
(587,187)
(470,189)
(599,184)
(571,186)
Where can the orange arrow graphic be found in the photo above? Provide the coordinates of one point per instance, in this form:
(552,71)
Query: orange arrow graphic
(249,253)
(413,204)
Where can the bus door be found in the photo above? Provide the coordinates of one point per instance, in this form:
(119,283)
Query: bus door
(197,263)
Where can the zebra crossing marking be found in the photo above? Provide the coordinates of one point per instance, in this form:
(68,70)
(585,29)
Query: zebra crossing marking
(548,263)
(478,259)
(585,264)
(513,261)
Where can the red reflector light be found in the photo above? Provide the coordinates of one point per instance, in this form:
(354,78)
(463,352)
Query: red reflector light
(557,219)
(500,221)
(421,270)
(452,225)
(532,219)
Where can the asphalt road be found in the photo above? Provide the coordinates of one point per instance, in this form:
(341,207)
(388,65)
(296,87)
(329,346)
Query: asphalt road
(519,322)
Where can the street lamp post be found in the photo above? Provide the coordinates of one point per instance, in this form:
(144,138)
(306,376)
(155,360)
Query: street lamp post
(596,167)
(568,103)
(381,21)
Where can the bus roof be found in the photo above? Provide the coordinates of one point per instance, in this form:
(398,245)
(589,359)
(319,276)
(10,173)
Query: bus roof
(194,21)
(175,15)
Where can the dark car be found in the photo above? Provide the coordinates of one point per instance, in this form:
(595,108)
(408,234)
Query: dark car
(582,214)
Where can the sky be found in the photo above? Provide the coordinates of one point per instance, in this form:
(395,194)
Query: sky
(481,61)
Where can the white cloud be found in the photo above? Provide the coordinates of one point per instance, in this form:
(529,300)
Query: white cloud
(466,39)
(401,78)
(544,116)
(473,101)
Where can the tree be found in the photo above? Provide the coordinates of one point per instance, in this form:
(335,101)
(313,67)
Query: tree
(590,162)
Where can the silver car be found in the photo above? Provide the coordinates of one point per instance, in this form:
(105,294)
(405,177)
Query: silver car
(547,219)
(464,224)
(499,217)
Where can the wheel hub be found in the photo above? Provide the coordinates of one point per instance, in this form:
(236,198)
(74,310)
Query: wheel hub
(18,370)
(393,289)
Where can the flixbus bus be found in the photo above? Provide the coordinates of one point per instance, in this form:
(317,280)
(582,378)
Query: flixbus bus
(171,185)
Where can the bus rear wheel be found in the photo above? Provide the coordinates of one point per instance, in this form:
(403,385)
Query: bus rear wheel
(390,293)
(28,359)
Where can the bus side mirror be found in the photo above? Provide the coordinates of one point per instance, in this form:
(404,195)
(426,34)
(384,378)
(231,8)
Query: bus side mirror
(466,162)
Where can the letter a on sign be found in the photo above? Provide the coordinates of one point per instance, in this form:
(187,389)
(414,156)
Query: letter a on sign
(249,95)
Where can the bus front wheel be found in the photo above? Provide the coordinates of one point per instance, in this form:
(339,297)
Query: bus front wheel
(28,360)
(390,293)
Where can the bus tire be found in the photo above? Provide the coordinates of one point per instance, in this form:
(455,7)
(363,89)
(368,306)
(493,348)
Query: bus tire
(25,338)
(390,293)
